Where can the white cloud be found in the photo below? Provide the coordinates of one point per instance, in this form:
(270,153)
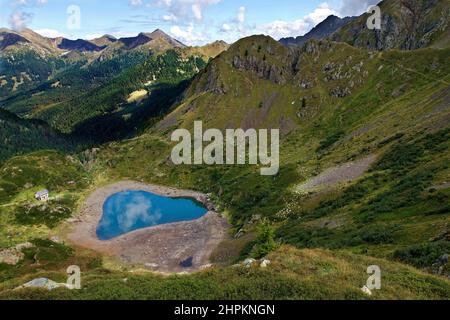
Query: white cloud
(355,7)
(23,3)
(197,10)
(122,34)
(51,33)
(225,27)
(166,3)
(319,14)
(188,35)
(185,9)
(170,17)
(18,20)
(135,3)
(240,18)
(235,28)
(93,36)
(239,27)
(281,28)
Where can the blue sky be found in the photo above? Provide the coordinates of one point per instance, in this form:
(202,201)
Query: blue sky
(191,21)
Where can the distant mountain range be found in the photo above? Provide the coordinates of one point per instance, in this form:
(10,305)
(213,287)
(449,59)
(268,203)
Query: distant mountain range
(321,31)
(406,25)
(156,40)
(29,59)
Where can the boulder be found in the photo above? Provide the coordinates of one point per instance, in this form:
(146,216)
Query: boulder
(366,290)
(206,266)
(11,256)
(248,262)
(25,245)
(43,283)
(265,263)
(443,259)
(56,239)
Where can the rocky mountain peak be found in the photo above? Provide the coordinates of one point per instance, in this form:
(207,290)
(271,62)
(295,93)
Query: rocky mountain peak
(405,25)
(158,34)
(324,29)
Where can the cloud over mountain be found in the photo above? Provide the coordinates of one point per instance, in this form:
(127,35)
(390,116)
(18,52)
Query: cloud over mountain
(355,7)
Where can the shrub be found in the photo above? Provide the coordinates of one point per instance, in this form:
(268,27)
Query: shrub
(377,235)
(422,255)
(47,252)
(401,157)
(328,142)
(265,242)
(49,214)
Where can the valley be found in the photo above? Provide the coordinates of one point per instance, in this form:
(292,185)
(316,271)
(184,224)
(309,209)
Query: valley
(364,122)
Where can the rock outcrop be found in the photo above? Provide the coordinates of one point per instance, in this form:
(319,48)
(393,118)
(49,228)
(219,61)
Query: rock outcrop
(405,25)
(13,256)
(43,283)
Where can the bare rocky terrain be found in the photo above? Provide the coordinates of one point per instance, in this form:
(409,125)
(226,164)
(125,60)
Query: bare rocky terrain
(339,174)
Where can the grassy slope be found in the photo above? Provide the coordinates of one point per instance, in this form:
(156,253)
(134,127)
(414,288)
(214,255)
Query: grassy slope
(20,136)
(79,75)
(375,105)
(22,70)
(169,69)
(22,218)
(294,274)
(106,84)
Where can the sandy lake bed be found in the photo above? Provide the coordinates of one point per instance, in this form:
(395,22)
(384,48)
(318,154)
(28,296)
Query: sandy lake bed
(169,248)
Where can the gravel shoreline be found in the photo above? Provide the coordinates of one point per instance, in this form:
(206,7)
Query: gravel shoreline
(161,248)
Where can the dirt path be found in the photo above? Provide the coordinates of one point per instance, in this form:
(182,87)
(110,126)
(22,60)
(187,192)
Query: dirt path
(162,248)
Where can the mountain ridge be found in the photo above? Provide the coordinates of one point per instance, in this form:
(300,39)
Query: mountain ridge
(156,39)
(405,25)
(324,29)
(29,59)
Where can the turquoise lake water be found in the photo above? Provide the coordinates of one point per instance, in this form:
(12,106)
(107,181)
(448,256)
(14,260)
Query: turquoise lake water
(132,210)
